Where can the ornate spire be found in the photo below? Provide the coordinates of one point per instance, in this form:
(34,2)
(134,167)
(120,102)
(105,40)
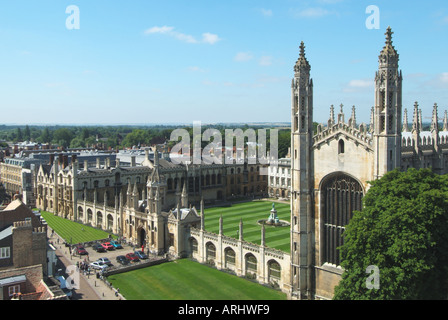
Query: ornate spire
(129,189)
(420,120)
(135,191)
(184,196)
(435,119)
(389,34)
(263,235)
(405,121)
(415,120)
(353,117)
(445,121)
(372,120)
(202,214)
(341,114)
(302,63)
(389,56)
(331,120)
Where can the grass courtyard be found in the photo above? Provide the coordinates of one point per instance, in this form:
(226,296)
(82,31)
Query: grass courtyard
(188,280)
(251,212)
(73,232)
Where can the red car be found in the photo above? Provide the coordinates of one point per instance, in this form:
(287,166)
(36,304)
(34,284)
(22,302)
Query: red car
(108,246)
(80,250)
(132,257)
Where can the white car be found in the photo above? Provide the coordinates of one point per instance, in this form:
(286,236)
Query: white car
(98,265)
(105,261)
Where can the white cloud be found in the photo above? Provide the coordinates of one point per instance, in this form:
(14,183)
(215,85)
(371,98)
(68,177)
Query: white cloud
(444,77)
(208,38)
(359,85)
(311,13)
(162,30)
(266,12)
(243,56)
(265,61)
(196,69)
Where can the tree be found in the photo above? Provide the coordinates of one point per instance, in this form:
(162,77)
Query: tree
(403,231)
(27,133)
(63,137)
(45,136)
(19,135)
(136,137)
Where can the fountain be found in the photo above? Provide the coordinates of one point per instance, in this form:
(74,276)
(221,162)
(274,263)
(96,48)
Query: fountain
(273,219)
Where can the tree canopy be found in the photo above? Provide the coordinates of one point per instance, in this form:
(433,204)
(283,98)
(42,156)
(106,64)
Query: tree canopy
(403,231)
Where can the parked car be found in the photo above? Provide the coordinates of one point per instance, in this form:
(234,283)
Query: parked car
(108,246)
(98,265)
(80,250)
(132,257)
(141,255)
(105,261)
(98,248)
(122,260)
(116,244)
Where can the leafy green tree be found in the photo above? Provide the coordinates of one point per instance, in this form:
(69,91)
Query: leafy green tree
(19,135)
(45,136)
(136,137)
(77,142)
(27,133)
(402,230)
(284,143)
(63,137)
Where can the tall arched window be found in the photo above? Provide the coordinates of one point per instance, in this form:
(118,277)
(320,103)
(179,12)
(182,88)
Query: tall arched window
(229,257)
(341,195)
(210,251)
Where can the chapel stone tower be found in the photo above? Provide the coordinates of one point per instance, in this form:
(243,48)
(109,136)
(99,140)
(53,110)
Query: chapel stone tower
(388,104)
(301,178)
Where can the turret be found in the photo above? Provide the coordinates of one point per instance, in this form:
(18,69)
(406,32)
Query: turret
(388,104)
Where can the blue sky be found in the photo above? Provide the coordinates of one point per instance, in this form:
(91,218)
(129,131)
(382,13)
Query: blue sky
(143,62)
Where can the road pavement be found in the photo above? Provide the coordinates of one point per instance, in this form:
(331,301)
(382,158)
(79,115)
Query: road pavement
(90,287)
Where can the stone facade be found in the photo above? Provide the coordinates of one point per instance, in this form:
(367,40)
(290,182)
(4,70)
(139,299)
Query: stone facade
(279,179)
(104,195)
(331,167)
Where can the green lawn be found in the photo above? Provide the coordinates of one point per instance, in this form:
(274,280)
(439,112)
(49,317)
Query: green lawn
(251,212)
(73,232)
(188,280)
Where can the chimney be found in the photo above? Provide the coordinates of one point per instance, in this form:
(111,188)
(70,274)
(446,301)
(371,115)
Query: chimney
(86,165)
(64,161)
(51,159)
(132,161)
(98,165)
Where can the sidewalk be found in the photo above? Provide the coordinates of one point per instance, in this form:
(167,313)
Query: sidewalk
(97,285)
